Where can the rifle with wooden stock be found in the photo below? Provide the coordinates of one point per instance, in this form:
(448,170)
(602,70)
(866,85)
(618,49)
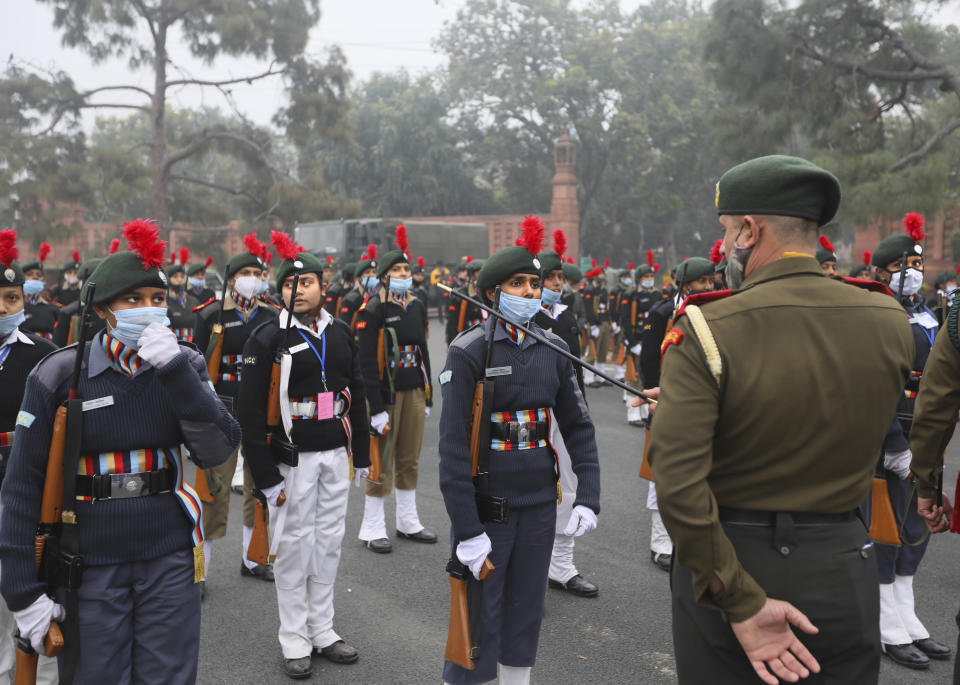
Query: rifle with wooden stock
(282,450)
(55,545)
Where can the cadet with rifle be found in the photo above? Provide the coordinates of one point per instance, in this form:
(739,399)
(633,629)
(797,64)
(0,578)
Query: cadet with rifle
(633,317)
(317,401)
(19,353)
(365,284)
(462,315)
(222,329)
(498,471)
(67,330)
(40,311)
(102,425)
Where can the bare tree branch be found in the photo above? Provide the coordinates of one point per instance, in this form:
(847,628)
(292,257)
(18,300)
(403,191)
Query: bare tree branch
(138,89)
(216,186)
(244,79)
(925,149)
(202,140)
(880,74)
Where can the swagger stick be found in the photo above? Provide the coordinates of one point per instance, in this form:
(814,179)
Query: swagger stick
(559,350)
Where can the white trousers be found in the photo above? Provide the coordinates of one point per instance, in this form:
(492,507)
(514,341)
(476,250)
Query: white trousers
(562,568)
(660,541)
(308,553)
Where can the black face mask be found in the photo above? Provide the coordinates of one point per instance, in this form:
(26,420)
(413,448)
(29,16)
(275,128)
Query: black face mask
(737,260)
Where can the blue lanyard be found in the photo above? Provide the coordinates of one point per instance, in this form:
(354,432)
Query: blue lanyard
(321,357)
(4,352)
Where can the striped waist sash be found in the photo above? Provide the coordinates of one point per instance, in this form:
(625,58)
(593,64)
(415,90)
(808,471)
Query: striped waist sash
(527,429)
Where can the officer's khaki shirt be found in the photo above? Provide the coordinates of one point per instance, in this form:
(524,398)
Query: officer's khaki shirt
(812,371)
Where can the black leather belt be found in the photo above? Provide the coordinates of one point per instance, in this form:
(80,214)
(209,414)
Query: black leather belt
(768,518)
(123,485)
(520,431)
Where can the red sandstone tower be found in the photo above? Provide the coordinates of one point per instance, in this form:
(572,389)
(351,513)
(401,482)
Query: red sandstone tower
(564,210)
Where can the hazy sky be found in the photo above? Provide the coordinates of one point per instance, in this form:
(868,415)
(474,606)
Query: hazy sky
(376,35)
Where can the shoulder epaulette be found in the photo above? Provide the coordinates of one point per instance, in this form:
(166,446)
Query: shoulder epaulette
(204,304)
(867,284)
(701,299)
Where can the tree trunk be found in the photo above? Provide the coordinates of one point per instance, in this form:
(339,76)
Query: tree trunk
(158,144)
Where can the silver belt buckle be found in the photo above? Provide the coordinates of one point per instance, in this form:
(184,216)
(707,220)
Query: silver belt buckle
(339,405)
(126,485)
(522,431)
(408,358)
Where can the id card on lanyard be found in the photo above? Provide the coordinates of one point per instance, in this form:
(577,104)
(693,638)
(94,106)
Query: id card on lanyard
(325,398)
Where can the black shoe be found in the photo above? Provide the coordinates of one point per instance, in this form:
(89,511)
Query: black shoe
(237,489)
(298,669)
(261,571)
(932,648)
(380,546)
(661,560)
(339,652)
(423,536)
(576,586)
(907,655)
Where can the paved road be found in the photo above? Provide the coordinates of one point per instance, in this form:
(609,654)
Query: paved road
(393,608)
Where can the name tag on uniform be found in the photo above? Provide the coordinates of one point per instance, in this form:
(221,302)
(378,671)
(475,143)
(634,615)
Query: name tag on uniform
(499,371)
(299,348)
(392,319)
(231,324)
(924,319)
(98,403)
(324,406)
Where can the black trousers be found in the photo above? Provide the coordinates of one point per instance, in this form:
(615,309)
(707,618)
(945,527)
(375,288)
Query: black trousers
(830,574)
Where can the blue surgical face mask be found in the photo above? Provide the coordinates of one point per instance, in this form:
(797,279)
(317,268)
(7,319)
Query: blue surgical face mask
(567,288)
(626,282)
(400,285)
(8,323)
(132,322)
(264,286)
(518,310)
(198,283)
(33,287)
(549,297)
(371,283)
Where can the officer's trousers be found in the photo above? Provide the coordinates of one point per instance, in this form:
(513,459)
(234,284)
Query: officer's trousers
(562,567)
(308,554)
(139,623)
(829,574)
(513,595)
(904,560)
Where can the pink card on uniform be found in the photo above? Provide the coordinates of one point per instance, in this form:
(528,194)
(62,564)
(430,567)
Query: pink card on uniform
(324,406)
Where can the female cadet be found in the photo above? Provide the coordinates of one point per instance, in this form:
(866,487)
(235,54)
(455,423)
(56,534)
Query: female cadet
(532,383)
(19,353)
(137,608)
(40,312)
(326,417)
(180,303)
(392,333)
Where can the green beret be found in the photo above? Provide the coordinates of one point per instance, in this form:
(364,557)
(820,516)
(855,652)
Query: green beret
(241,261)
(30,266)
(475,266)
(694,268)
(363,265)
(549,261)
(175,269)
(644,269)
(349,270)
(858,269)
(943,277)
(504,263)
(721,266)
(70,266)
(87,268)
(196,268)
(309,264)
(779,185)
(120,273)
(572,273)
(824,255)
(388,260)
(11,275)
(890,249)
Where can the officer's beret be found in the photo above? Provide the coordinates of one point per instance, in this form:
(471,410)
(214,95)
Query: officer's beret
(572,273)
(515,259)
(892,248)
(779,185)
(693,268)
(139,267)
(310,264)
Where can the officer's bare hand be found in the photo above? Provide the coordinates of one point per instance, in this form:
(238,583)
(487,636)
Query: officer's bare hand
(653,394)
(937,518)
(771,645)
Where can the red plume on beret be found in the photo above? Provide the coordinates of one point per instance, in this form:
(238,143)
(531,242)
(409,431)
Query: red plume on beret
(593,263)
(715,255)
(141,235)
(913,222)
(606,263)
(468,259)
(650,258)
(8,246)
(630,266)
(253,244)
(285,246)
(207,262)
(656,268)
(402,242)
(421,262)
(825,243)
(268,257)
(569,260)
(867,257)
(531,234)
(958,269)
(593,273)
(114,245)
(75,256)
(329,260)
(371,251)
(44,252)
(559,242)
(184,256)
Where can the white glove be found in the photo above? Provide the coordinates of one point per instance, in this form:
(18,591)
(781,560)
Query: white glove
(34,621)
(582,520)
(360,475)
(635,350)
(594,331)
(426,411)
(472,552)
(158,345)
(898,462)
(616,328)
(272,493)
(379,421)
